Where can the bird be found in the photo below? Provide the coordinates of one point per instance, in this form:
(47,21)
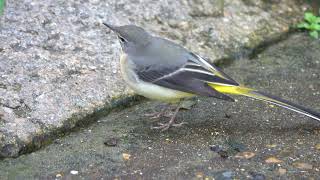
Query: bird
(160,69)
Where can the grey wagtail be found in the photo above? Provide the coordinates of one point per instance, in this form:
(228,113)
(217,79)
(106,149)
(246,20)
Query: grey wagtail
(162,70)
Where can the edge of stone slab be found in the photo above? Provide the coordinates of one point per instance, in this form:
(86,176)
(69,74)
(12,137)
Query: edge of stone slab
(252,53)
(14,147)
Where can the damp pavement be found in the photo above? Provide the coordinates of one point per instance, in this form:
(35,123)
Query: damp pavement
(221,140)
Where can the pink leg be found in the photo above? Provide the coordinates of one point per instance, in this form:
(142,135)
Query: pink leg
(156,115)
(170,123)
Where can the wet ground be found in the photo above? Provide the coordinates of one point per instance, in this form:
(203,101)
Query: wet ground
(222,140)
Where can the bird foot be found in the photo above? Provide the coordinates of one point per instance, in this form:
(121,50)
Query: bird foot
(166,126)
(166,112)
(154,115)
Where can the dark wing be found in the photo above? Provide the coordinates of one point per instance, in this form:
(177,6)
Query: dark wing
(192,76)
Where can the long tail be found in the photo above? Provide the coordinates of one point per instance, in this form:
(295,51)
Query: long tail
(240,90)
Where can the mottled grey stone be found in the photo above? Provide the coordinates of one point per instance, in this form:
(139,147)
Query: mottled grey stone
(58,64)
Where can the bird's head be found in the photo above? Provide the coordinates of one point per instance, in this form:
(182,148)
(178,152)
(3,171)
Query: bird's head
(131,37)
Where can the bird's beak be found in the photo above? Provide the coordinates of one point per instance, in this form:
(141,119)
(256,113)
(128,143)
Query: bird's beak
(109,26)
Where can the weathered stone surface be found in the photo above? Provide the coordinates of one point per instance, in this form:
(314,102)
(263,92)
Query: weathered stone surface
(58,64)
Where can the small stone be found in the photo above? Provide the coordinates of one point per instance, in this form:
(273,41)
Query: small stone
(199,174)
(223,154)
(184,25)
(318,147)
(227,174)
(220,151)
(111,142)
(282,171)
(257,176)
(58,175)
(172,23)
(227,115)
(215,148)
(74,172)
(305,166)
(273,160)
(245,155)
(126,156)
(271,145)
(236,146)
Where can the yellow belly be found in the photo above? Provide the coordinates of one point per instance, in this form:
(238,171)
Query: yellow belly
(148,90)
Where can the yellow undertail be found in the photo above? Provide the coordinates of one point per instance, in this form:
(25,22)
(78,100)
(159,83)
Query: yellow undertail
(235,90)
(244,91)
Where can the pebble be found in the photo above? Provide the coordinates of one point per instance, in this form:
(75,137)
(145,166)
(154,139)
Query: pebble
(227,174)
(111,142)
(318,147)
(236,146)
(220,151)
(257,176)
(273,160)
(74,172)
(271,145)
(172,23)
(223,154)
(282,171)
(126,156)
(305,166)
(184,25)
(227,115)
(199,174)
(245,155)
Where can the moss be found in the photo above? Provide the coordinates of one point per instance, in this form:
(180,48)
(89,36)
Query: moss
(2,4)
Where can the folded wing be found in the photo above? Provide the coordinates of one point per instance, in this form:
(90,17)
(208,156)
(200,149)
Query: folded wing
(192,76)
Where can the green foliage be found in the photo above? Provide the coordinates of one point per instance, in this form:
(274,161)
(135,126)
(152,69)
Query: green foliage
(1,6)
(312,24)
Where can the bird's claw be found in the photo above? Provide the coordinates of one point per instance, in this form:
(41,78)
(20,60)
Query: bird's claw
(154,115)
(166,126)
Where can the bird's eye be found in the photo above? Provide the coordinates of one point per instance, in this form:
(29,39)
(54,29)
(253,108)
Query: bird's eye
(122,39)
